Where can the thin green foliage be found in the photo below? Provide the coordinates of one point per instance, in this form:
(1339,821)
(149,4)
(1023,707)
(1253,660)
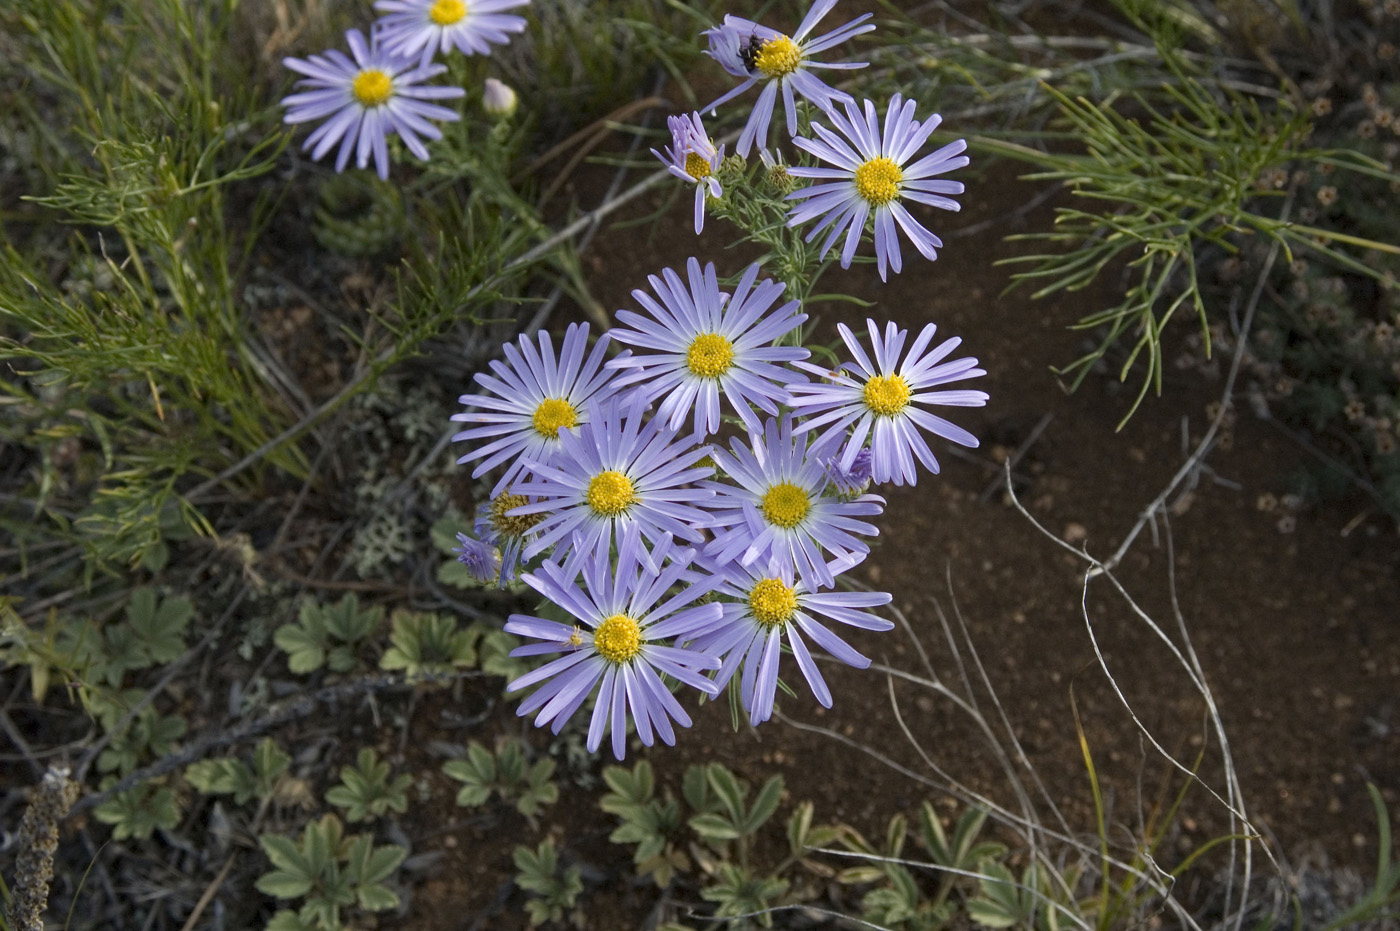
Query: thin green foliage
(1190,165)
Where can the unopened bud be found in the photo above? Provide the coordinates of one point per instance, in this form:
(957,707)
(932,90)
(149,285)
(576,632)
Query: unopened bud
(498,99)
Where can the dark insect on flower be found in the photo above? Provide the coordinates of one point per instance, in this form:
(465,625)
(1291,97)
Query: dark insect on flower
(748,52)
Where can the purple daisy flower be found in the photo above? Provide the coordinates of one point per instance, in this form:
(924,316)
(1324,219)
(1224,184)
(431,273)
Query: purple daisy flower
(496,525)
(615,648)
(757,53)
(693,158)
(709,343)
(364,100)
(765,606)
(882,400)
(778,512)
(536,396)
(480,557)
(616,479)
(872,179)
(414,27)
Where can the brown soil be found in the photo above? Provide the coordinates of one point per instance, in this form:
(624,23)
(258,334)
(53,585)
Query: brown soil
(1295,631)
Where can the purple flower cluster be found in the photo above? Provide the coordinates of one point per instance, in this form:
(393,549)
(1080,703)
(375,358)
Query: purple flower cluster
(380,88)
(612,486)
(689,487)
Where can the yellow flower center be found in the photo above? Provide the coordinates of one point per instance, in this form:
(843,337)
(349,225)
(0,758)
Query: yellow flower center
(697,166)
(878,181)
(610,493)
(447,12)
(372,87)
(512,525)
(618,638)
(552,415)
(709,356)
(785,504)
(778,57)
(886,395)
(772,602)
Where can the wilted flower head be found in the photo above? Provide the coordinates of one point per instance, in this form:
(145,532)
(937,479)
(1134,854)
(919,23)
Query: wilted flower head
(762,55)
(364,99)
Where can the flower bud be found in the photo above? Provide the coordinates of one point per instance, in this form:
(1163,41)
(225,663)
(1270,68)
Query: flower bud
(498,99)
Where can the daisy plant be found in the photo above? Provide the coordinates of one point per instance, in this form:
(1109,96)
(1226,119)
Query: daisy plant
(706,343)
(625,613)
(620,479)
(365,96)
(778,511)
(782,64)
(424,27)
(762,607)
(534,395)
(872,176)
(693,158)
(882,399)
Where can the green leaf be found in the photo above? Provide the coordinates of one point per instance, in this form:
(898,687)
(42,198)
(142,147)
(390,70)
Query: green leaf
(282,885)
(286,856)
(764,805)
(305,649)
(140,811)
(444,534)
(269,763)
(428,644)
(160,628)
(376,898)
(347,623)
(288,920)
(382,863)
(715,828)
(727,788)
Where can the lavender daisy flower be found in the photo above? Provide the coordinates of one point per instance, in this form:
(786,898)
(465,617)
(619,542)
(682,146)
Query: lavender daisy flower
(778,513)
(882,400)
(496,525)
(766,606)
(364,100)
(873,178)
(709,343)
(536,396)
(757,53)
(427,26)
(616,479)
(480,557)
(615,648)
(693,158)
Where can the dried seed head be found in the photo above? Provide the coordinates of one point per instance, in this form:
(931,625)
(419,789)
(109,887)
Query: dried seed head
(38,839)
